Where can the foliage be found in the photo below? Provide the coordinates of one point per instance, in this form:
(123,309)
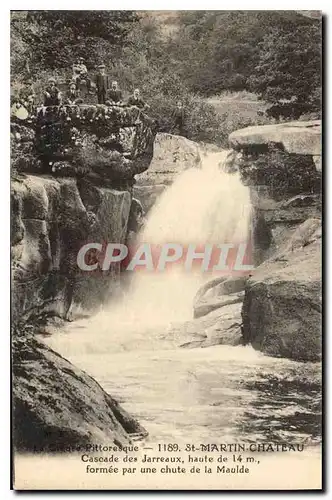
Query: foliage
(144,63)
(281,172)
(220,49)
(289,68)
(54,39)
(188,56)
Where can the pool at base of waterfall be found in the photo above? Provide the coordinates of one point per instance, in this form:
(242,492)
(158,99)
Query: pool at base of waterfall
(197,397)
(219,394)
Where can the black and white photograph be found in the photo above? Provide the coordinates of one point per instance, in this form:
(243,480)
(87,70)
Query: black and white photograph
(166,250)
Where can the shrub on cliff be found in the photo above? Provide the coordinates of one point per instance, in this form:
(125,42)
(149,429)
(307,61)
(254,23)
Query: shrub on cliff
(281,172)
(161,88)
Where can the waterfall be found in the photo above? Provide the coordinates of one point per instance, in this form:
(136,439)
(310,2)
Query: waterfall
(203,205)
(191,395)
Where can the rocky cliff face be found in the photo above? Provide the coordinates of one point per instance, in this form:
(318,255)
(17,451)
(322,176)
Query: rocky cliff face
(282,165)
(73,174)
(282,305)
(52,219)
(104,144)
(281,311)
(172,155)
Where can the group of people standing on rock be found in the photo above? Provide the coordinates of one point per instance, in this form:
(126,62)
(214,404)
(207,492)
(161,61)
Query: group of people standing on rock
(107,92)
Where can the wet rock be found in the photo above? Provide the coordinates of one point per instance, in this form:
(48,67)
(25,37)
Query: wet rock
(148,194)
(206,305)
(52,220)
(220,326)
(282,305)
(217,314)
(261,236)
(57,406)
(217,293)
(227,329)
(136,216)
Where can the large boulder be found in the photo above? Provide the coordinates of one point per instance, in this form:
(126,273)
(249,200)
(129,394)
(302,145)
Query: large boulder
(206,305)
(303,138)
(172,154)
(103,143)
(281,160)
(58,407)
(52,219)
(274,222)
(217,315)
(217,293)
(221,326)
(282,305)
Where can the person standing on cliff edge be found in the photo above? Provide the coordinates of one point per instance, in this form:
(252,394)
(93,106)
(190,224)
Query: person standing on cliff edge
(102,84)
(178,116)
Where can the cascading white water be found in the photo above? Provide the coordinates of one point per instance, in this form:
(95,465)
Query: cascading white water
(205,205)
(190,395)
(202,205)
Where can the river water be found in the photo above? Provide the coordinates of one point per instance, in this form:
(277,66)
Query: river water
(215,394)
(218,394)
(132,348)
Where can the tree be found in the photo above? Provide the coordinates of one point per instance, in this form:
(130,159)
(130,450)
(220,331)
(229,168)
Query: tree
(56,38)
(288,74)
(218,50)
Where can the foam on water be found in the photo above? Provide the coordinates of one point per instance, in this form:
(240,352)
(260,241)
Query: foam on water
(203,205)
(220,392)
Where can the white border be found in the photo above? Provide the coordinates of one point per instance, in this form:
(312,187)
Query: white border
(324,6)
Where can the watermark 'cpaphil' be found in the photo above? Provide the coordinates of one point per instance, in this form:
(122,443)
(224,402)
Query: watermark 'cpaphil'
(223,257)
